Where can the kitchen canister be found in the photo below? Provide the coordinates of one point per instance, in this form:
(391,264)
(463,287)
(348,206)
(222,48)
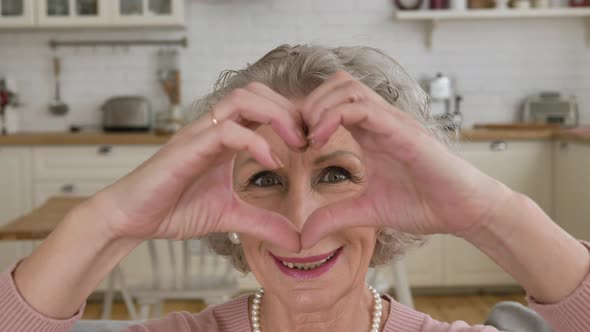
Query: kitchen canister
(11,120)
(440,87)
(458,4)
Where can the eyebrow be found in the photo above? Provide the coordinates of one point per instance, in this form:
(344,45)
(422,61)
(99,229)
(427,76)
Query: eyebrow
(334,154)
(318,160)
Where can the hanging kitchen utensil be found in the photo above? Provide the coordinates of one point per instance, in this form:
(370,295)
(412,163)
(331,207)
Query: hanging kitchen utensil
(57,106)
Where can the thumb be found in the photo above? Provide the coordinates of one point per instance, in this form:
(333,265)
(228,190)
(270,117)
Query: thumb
(263,224)
(351,212)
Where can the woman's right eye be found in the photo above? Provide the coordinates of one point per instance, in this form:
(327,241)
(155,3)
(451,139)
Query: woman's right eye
(264,179)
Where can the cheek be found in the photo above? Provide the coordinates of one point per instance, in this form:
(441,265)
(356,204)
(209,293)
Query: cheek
(362,242)
(252,251)
(265,199)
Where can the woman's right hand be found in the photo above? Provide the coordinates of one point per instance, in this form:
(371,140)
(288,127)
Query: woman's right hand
(185,191)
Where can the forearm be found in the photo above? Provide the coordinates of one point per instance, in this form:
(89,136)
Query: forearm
(547,261)
(58,277)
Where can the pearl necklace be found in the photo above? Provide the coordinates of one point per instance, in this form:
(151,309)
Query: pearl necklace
(375,322)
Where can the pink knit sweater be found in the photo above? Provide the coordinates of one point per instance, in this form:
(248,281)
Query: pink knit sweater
(572,314)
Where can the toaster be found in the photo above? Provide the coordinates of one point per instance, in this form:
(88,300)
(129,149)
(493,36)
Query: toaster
(126,113)
(549,108)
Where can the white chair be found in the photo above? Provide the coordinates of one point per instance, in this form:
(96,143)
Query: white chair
(192,271)
(400,276)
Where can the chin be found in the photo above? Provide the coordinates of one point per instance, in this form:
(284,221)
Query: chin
(310,300)
(310,290)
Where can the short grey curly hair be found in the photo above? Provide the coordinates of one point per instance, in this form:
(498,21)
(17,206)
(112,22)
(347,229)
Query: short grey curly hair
(295,71)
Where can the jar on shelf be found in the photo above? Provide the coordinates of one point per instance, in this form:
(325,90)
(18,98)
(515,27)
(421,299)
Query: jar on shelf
(439,4)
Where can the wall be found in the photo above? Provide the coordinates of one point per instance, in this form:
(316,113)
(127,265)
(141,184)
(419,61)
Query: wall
(496,63)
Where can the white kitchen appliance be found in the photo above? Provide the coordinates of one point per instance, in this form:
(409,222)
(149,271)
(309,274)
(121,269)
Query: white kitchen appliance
(127,113)
(443,97)
(551,107)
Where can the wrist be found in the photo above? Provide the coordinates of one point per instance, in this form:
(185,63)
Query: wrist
(497,221)
(533,249)
(81,251)
(503,203)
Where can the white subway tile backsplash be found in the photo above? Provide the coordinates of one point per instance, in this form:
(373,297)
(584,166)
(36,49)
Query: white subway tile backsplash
(495,63)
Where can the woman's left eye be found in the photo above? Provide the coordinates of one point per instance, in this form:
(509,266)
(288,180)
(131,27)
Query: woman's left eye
(265,179)
(335,175)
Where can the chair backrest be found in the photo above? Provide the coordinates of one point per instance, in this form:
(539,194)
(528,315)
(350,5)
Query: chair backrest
(187,264)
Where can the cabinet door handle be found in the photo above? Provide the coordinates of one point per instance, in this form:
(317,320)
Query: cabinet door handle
(67,188)
(563,145)
(105,149)
(499,146)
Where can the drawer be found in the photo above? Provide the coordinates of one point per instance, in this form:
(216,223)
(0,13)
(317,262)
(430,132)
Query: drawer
(88,162)
(44,189)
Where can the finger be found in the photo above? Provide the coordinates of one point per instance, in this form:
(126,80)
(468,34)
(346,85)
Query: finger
(195,155)
(392,127)
(268,93)
(346,92)
(249,108)
(333,81)
(350,212)
(233,136)
(263,224)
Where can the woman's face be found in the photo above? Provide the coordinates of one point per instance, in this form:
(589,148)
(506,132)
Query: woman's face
(316,277)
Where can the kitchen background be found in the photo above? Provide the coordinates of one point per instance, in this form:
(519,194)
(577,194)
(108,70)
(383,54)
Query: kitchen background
(495,64)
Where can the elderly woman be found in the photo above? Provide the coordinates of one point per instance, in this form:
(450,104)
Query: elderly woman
(305,168)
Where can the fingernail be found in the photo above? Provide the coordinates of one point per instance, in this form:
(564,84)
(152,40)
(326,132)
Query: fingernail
(278,160)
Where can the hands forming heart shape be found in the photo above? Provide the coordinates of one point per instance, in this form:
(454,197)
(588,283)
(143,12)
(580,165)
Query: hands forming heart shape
(185,190)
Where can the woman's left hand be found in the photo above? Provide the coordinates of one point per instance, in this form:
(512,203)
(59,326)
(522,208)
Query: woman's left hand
(414,183)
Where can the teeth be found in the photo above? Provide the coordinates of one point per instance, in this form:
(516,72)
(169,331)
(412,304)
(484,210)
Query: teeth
(307,266)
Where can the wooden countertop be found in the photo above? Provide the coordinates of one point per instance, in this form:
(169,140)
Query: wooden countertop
(37,224)
(99,138)
(89,138)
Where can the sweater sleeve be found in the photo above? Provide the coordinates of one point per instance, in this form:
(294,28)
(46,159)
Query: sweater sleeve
(571,314)
(17,315)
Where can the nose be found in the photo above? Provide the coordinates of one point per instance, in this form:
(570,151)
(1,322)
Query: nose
(299,203)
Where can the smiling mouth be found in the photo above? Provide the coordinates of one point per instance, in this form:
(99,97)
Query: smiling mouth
(307,267)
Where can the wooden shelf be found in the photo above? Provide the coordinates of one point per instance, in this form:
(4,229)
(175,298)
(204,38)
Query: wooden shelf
(433,17)
(491,13)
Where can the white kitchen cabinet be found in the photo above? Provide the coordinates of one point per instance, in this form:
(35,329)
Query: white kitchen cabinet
(15,196)
(65,13)
(43,190)
(110,13)
(147,12)
(572,188)
(425,264)
(17,13)
(84,163)
(525,166)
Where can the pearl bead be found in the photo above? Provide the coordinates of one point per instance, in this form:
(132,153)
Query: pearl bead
(375,321)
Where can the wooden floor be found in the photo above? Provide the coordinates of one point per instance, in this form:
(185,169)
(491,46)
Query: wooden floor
(471,308)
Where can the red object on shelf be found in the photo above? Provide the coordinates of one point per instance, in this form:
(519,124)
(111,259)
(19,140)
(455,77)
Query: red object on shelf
(579,3)
(439,4)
